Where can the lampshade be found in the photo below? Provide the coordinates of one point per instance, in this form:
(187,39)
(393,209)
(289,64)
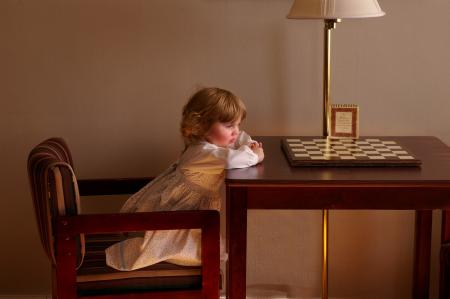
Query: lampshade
(334,9)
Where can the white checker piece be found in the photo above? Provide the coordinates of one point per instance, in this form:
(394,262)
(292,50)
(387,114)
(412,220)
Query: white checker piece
(317,157)
(343,152)
(315,152)
(348,158)
(301,155)
(400,152)
(372,152)
(377,157)
(406,157)
(384,150)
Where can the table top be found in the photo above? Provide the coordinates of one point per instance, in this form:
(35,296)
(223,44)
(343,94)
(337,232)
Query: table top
(434,154)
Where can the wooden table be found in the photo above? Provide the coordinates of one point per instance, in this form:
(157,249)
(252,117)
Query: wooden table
(275,185)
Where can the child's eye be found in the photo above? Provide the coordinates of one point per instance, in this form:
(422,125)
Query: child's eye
(231,125)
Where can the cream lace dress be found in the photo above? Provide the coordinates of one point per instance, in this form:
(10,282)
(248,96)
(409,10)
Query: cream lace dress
(191,183)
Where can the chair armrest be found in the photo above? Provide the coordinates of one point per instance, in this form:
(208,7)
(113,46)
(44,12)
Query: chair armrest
(207,220)
(129,222)
(111,186)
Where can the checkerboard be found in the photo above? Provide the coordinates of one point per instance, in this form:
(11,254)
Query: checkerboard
(319,151)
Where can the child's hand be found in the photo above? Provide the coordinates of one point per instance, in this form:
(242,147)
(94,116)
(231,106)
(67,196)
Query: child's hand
(257,148)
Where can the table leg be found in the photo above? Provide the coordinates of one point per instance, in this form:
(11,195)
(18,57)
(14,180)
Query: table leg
(444,283)
(422,255)
(236,242)
(325,254)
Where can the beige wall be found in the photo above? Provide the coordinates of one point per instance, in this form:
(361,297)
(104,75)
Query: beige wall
(110,76)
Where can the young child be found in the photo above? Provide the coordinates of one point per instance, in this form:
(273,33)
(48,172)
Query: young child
(213,143)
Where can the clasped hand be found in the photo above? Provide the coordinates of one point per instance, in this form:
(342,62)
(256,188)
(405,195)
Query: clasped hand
(257,148)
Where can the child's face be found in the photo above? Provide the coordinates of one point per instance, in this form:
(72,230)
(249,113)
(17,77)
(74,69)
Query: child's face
(223,134)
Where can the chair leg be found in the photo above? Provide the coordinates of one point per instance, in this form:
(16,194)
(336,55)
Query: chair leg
(444,290)
(66,263)
(54,283)
(444,283)
(211,257)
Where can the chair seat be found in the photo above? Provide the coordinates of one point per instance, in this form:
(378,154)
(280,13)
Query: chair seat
(95,277)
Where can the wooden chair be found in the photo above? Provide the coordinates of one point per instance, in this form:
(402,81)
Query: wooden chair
(75,243)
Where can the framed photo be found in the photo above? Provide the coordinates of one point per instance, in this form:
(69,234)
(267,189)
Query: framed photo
(344,121)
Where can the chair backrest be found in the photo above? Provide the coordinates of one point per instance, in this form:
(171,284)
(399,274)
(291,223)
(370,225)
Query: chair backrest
(54,188)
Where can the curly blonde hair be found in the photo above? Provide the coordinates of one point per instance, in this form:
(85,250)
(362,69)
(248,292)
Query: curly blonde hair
(204,108)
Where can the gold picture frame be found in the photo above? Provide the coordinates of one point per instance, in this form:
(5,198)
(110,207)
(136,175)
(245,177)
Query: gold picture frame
(344,121)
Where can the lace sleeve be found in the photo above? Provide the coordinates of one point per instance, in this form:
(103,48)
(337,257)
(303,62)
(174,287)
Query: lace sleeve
(243,139)
(212,159)
(241,157)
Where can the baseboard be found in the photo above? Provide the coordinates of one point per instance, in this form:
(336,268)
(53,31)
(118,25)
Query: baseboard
(25,296)
(222,296)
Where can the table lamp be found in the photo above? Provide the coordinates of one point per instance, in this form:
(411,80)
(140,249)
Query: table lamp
(331,11)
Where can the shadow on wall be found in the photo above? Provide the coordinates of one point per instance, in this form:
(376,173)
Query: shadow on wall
(275,291)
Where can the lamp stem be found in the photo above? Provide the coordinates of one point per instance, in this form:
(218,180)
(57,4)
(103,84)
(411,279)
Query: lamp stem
(330,24)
